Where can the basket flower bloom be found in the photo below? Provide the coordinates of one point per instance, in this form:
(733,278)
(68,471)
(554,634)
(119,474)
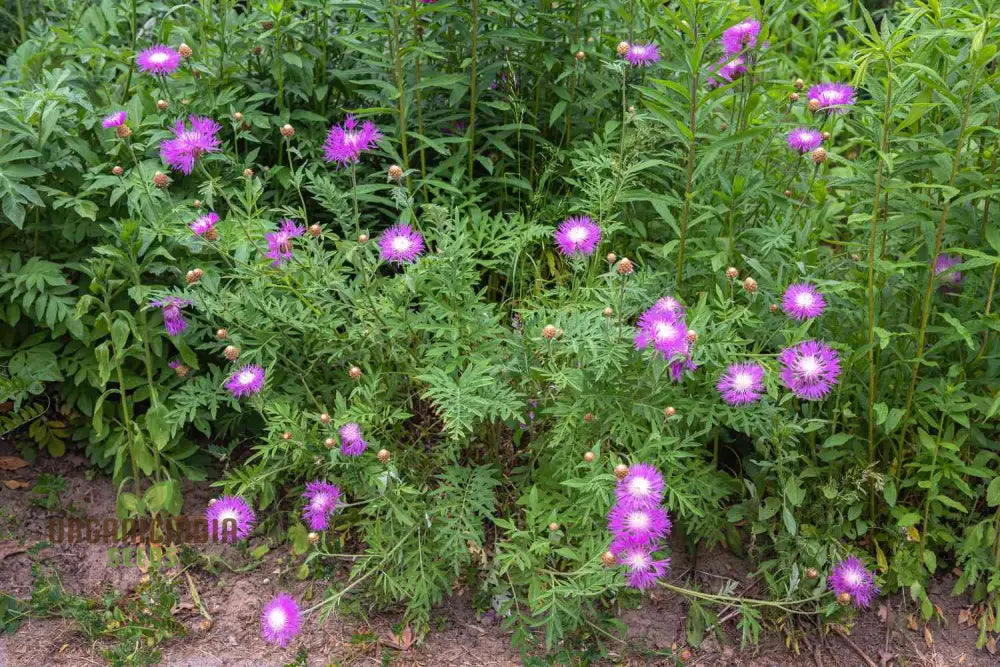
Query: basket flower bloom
(225,509)
(741,36)
(351,442)
(664,329)
(637,526)
(642,570)
(809,369)
(641,488)
(158,59)
(726,68)
(742,383)
(642,55)
(942,270)
(117,119)
(186,147)
(851,577)
(246,381)
(204,223)
(578,236)
(833,97)
(280,620)
(681,366)
(279,243)
(321,502)
(802,301)
(173,318)
(804,139)
(345,143)
(400,244)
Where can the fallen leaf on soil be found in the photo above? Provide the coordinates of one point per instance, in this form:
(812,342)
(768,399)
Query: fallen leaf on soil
(928,637)
(991,645)
(15,484)
(403,641)
(965,617)
(12,463)
(911,622)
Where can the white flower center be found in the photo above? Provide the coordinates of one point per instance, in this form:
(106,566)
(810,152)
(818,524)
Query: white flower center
(665,331)
(742,381)
(401,244)
(829,97)
(638,560)
(226,515)
(159,58)
(640,486)
(809,366)
(804,300)
(352,138)
(853,577)
(577,234)
(246,377)
(638,520)
(320,500)
(277,618)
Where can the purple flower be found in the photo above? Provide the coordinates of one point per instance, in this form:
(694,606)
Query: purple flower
(637,526)
(809,369)
(851,577)
(741,36)
(158,59)
(669,304)
(322,502)
(221,510)
(173,318)
(187,145)
(351,442)
(662,327)
(742,383)
(681,366)
(280,620)
(802,301)
(834,97)
(204,223)
(345,144)
(400,244)
(246,381)
(116,119)
(804,139)
(942,269)
(641,488)
(726,68)
(641,569)
(642,55)
(578,236)
(279,243)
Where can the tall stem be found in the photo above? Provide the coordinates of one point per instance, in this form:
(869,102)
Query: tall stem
(416,92)
(472,85)
(692,120)
(397,58)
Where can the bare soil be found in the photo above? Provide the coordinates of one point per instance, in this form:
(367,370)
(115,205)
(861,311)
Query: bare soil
(886,636)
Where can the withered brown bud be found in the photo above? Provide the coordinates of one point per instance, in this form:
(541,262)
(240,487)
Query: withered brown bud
(287,131)
(232,353)
(315,230)
(222,334)
(123,131)
(549,332)
(732,273)
(287,435)
(621,471)
(609,311)
(669,411)
(355,372)
(160,179)
(844,598)
(685,655)
(750,285)
(588,457)
(313,537)
(237,116)
(819,155)
(609,559)
(395,172)
(193,276)
(117,171)
(184,50)
(799,84)
(813,105)
(162,105)
(211,235)
(325,418)
(383,456)
(623,48)
(625,267)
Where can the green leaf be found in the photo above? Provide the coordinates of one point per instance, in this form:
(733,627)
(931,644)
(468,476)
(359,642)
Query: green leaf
(164,496)
(993,492)
(836,440)
(789,520)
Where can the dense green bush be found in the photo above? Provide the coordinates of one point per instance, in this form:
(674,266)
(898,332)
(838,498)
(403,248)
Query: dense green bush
(502,435)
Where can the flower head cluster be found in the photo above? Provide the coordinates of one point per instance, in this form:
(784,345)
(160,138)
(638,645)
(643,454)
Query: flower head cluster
(833,97)
(742,383)
(637,524)
(401,244)
(663,328)
(117,119)
(345,143)
(280,620)
(158,59)
(230,519)
(809,369)
(642,55)
(851,577)
(204,223)
(578,236)
(735,39)
(173,318)
(246,381)
(351,441)
(321,502)
(802,301)
(186,147)
(950,280)
(727,68)
(279,243)
(804,139)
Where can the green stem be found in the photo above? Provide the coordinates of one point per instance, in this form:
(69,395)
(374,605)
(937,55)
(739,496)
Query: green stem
(692,120)
(472,85)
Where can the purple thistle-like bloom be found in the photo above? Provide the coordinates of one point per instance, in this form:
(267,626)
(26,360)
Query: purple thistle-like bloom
(158,59)
(322,500)
(942,269)
(809,369)
(834,97)
(246,381)
(726,68)
(173,318)
(742,383)
(578,235)
(741,36)
(183,150)
(637,526)
(642,570)
(642,55)
(401,244)
(804,139)
(802,301)
(345,143)
(664,329)
(280,620)
(850,576)
(229,507)
(203,223)
(351,442)
(279,243)
(681,366)
(116,119)
(642,487)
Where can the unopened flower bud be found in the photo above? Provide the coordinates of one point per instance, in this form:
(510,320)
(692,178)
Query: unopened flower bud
(184,50)
(193,276)
(162,105)
(608,559)
(181,370)
(788,193)
(212,501)
(383,456)
(553,526)
(622,48)
(196,203)
(724,126)
(793,97)
(799,84)
(588,457)
(813,105)
(117,171)
(589,417)
(184,100)
(313,537)
(267,25)
(395,172)
(844,598)
(625,267)
(329,442)
(123,131)
(732,273)
(248,173)
(237,116)
(856,257)
(631,108)
(325,418)
(315,230)
(826,136)
(287,131)
(580,55)
(612,258)
(160,179)
(774,307)
(819,155)
(287,435)
(222,334)
(686,655)
(257,50)
(355,372)
(232,353)
(669,411)
(621,471)
(812,573)
(362,238)
(750,285)
(608,312)
(692,336)
(549,332)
